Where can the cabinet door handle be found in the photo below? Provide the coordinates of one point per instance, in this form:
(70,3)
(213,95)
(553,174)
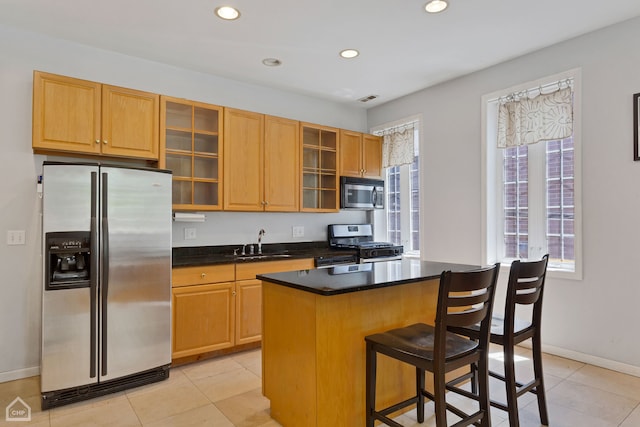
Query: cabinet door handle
(233,293)
(104,142)
(97,141)
(266,203)
(203,275)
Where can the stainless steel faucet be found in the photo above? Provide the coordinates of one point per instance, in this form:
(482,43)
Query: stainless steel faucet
(260,234)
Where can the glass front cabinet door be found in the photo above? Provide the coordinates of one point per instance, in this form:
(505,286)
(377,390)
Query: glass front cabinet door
(319,168)
(191,135)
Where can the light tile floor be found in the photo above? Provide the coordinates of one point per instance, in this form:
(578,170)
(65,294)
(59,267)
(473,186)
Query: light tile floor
(226,392)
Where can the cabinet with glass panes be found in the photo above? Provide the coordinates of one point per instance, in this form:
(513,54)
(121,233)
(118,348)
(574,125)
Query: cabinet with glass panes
(319,168)
(191,135)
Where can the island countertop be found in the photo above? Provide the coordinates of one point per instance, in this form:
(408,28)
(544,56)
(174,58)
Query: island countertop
(359,277)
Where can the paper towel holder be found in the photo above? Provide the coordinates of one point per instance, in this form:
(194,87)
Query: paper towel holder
(188,217)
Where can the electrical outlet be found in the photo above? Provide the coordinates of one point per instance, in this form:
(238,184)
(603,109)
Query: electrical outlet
(297,231)
(15,237)
(189,233)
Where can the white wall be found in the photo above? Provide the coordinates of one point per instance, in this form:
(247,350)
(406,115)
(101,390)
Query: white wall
(233,228)
(594,319)
(20,266)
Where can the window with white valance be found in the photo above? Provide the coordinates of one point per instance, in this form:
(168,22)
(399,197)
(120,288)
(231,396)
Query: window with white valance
(531,140)
(400,158)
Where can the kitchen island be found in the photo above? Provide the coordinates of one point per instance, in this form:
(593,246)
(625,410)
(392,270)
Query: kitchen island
(314,324)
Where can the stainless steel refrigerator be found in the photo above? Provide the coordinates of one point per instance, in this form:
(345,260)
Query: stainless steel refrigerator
(106,306)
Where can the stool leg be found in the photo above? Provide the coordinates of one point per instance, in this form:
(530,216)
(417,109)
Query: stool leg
(474,378)
(419,388)
(370,385)
(482,386)
(510,385)
(440,403)
(540,391)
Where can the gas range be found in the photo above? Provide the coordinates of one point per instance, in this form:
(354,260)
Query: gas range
(359,237)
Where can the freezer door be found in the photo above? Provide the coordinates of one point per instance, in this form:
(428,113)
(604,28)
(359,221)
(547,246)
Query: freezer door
(135,322)
(67,342)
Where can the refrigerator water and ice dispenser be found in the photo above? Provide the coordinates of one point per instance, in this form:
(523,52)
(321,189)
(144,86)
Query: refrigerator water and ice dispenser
(68,260)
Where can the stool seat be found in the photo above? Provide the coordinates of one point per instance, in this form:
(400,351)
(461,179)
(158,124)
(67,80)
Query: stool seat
(418,340)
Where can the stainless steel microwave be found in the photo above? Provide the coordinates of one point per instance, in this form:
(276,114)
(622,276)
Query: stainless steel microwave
(361,193)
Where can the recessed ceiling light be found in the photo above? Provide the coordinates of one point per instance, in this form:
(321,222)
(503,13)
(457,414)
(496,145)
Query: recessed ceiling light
(435,6)
(271,62)
(227,12)
(349,53)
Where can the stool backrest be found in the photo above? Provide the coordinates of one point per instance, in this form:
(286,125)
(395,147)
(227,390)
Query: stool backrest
(465,299)
(525,287)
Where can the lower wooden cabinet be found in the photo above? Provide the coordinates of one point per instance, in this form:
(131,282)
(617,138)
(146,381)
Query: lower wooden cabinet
(248,311)
(220,307)
(203,318)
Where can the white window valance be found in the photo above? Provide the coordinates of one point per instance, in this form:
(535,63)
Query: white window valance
(523,120)
(397,146)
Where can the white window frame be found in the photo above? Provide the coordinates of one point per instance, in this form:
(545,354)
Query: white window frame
(491,179)
(380,217)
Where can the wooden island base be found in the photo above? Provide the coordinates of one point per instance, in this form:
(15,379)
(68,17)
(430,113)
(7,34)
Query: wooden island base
(313,350)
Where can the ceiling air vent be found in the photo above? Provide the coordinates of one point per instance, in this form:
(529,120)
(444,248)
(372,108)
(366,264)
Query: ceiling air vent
(368,98)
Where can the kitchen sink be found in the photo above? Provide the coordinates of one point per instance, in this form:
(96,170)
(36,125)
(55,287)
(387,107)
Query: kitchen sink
(263,256)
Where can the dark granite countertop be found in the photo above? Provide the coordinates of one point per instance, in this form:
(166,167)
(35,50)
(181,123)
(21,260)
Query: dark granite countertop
(224,254)
(360,277)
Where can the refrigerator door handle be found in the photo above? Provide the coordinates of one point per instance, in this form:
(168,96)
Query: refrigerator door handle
(93,274)
(105,269)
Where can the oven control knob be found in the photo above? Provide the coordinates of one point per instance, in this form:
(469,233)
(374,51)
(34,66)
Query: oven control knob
(374,253)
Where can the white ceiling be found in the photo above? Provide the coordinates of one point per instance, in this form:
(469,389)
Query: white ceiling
(402,48)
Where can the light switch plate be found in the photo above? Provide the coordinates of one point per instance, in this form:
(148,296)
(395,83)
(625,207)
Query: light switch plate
(189,233)
(16,237)
(297,231)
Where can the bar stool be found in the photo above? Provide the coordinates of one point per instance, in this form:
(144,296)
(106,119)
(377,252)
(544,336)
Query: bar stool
(525,287)
(464,299)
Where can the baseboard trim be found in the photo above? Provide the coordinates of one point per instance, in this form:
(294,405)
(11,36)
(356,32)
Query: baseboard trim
(19,374)
(587,358)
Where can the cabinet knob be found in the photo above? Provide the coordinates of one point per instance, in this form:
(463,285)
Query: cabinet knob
(97,141)
(233,293)
(104,142)
(266,203)
(203,275)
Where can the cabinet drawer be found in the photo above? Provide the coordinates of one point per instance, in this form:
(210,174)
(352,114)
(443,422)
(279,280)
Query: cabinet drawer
(186,276)
(250,270)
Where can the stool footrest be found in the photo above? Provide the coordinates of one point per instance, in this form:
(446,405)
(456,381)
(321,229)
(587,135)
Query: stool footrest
(529,387)
(382,414)
(398,406)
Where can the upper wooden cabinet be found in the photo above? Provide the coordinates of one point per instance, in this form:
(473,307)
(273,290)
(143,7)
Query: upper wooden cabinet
(243,160)
(79,116)
(281,164)
(319,168)
(191,147)
(261,162)
(360,154)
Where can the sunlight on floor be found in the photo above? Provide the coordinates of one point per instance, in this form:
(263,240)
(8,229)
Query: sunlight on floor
(500,357)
